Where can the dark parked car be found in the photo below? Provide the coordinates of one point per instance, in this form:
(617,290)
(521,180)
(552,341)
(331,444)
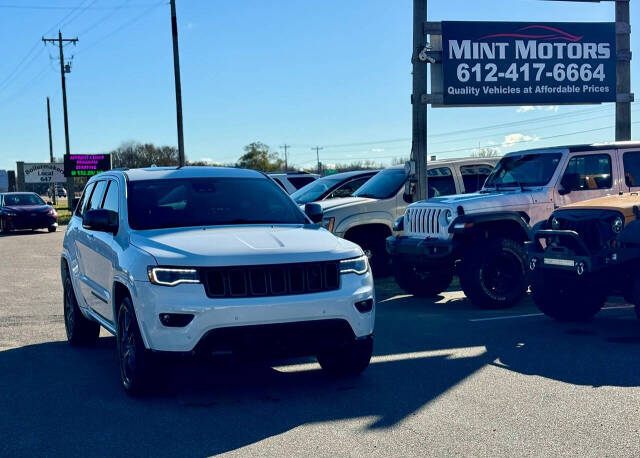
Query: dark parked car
(26,210)
(338,185)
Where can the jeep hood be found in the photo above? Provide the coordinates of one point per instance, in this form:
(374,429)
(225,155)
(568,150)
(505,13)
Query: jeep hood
(477,201)
(242,245)
(623,203)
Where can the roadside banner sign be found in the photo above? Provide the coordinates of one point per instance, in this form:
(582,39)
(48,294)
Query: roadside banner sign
(86,165)
(44,172)
(528,63)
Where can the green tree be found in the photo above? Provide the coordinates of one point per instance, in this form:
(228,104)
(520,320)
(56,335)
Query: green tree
(258,156)
(135,155)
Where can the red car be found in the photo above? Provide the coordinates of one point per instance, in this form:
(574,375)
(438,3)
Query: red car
(26,210)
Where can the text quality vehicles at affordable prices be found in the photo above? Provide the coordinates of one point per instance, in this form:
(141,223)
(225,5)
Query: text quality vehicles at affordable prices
(481,236)
(585,252)
(213,260)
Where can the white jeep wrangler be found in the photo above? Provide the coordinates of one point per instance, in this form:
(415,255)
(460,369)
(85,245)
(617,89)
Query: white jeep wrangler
(480,236)
(367,218)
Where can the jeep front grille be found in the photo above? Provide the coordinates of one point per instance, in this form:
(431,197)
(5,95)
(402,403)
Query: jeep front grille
(425,221)
(271,280)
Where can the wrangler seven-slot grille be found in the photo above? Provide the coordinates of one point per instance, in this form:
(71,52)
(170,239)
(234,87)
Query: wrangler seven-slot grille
(271,280)
(424,220)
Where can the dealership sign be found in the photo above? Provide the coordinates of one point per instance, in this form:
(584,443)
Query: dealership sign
(527,63)
(86,165)
(44,172)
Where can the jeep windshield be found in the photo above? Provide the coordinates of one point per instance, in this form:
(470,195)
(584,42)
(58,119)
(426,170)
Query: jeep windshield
(315,189)
(186,202)
(383,185)
(523,170)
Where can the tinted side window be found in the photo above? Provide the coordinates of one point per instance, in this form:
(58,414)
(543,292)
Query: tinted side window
(111,198)
(632,168)
(84,199)
(347,189)
(277,180)
(474,176)
(299,182)
(96,197)
(441,182)
(585,173)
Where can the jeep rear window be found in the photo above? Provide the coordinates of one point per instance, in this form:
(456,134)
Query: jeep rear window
(524,170)
(186,202)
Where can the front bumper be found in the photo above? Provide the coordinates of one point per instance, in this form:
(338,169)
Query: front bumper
(31,222)
(577,260)
(249,316)
(422,251)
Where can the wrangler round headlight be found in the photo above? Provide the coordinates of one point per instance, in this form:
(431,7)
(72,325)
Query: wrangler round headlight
(617,224)
(448,216)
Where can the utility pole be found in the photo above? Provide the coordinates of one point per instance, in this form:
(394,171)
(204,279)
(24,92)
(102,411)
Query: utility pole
(176,71)
(623,71)
(53,186)
(317,150)
(60,41)
(419,118)
(286,164)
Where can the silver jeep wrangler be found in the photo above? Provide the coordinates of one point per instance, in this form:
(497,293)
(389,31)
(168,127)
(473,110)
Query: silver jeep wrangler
(481,236)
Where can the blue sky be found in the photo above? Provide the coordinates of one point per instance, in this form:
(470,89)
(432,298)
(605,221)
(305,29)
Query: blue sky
(333,73)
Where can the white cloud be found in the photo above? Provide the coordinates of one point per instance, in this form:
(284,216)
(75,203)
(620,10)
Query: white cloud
(527,108)
(512,139)
(377,150)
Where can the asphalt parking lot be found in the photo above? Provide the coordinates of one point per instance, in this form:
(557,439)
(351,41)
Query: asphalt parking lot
(446,379)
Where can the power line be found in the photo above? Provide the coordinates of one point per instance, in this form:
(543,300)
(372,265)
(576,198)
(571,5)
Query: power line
(49,7)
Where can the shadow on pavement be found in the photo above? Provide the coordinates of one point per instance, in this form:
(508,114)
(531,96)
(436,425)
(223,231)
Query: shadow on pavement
(65,401)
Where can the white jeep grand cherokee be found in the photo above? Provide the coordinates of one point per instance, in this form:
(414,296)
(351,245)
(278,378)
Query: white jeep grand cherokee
(212,260)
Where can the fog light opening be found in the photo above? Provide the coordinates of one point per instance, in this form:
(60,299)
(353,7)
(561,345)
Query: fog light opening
(176,320)
(364,306)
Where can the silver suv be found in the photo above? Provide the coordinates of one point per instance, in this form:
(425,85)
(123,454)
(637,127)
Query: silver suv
(480,236)
(367,218)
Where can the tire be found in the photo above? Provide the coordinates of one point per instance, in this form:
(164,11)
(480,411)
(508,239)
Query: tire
(4,228)
(421,283)
(376,250)
(352,360)
(493,274)
(80,330)
(137,368)
(567,299)
(52,228)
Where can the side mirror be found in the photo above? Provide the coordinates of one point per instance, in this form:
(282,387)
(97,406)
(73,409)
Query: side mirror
(409,191)
(101,221)
(314,212)
(49,202)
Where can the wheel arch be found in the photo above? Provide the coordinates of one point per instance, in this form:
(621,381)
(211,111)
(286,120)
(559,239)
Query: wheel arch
(363,230)
(122,289)
(484,226)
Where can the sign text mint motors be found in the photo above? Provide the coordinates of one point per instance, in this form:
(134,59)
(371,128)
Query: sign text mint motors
(494,63)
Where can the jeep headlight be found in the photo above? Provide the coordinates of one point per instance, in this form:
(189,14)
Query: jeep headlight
(172,276)
(328,223)
(617,224)
(358,265)
(398,225)
(448,216)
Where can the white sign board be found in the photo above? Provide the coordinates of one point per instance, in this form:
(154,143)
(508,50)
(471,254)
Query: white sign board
(44,173)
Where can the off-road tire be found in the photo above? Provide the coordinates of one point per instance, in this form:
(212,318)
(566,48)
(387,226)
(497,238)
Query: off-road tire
(4,227)
(352,360)
(137,364)
(421,283)
(80,330)
(567,299)
(493,273)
